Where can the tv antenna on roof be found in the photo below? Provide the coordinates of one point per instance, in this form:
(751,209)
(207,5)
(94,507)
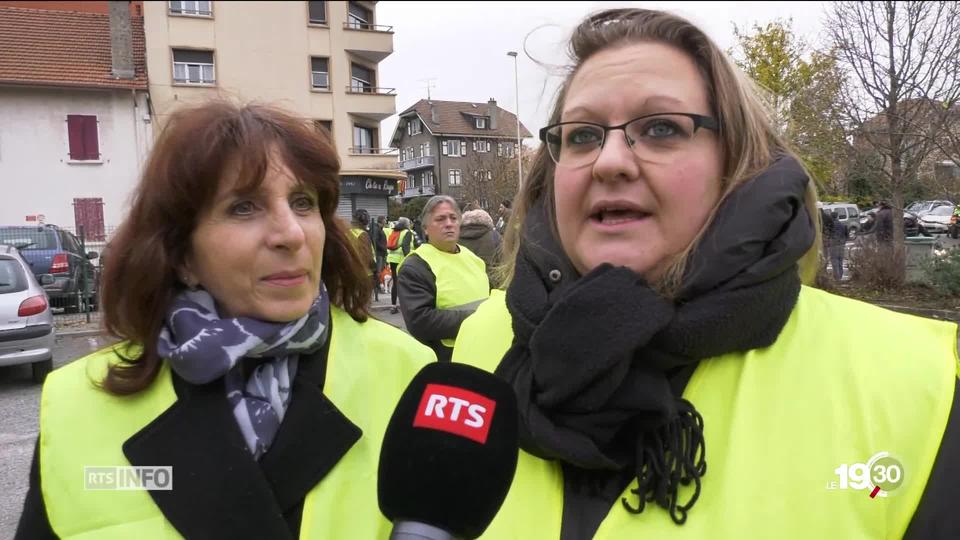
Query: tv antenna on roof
(429,85)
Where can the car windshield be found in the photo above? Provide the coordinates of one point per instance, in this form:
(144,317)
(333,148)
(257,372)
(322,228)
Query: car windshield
(12,278)
(28,238)
(942,211)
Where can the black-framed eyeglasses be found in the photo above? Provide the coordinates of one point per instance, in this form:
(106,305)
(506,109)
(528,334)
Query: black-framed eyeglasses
(656,138)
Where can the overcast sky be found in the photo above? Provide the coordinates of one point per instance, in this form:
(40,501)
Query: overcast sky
(463,46)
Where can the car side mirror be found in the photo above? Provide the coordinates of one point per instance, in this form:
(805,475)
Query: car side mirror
(92,255)
(47,279)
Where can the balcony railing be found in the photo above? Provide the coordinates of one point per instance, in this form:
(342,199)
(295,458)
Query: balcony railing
(372,90)
(417,162)
(408,192)
(367,26)
(367,150)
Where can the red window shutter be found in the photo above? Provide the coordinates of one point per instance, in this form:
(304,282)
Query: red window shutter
(75,135)
(91,142)
(88,213)
(82,134)
(97,221)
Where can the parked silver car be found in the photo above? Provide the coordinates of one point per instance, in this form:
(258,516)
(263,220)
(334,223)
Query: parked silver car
(26,324)
(937,220)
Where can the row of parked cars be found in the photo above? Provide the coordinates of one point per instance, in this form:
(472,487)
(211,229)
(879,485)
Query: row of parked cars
(920,218)
(40,267)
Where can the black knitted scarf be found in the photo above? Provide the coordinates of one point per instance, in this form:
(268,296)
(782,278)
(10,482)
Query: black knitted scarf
(591,355)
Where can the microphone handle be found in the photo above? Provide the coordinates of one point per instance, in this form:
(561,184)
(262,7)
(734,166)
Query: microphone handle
(413,530)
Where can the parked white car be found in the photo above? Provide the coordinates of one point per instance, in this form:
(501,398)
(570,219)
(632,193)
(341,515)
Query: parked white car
(937,220)
(27,333)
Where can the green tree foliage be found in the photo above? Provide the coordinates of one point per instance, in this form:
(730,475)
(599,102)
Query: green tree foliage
(802,90)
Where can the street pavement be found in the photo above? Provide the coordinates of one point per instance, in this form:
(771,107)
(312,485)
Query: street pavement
(20,404)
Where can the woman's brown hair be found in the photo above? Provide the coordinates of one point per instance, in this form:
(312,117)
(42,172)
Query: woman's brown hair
(747,138)
(196,149)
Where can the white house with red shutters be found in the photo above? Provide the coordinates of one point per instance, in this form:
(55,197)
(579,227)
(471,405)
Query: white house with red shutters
(74,113)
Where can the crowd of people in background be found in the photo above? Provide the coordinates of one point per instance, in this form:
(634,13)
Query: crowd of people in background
(392,241)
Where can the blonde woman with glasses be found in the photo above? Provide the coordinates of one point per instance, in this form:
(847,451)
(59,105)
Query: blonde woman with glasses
(677,378)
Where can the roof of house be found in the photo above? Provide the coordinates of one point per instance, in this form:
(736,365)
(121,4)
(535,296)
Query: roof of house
(456,118)
(64,48)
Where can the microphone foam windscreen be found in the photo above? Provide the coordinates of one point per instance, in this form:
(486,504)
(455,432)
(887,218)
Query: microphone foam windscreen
(450,451)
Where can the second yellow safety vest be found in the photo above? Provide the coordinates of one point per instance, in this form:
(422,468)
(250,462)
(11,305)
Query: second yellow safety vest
(461,278)
(791,430)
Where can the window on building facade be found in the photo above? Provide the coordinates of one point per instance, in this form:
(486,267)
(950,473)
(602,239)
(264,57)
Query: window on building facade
(362,79)
(454,177)
(88,217)
(454,148)
(363,140)
(83,136)
(483,175)
(428,178)
(411,181)
(193,67)
(505,149)
(191,8)
(426,149)
(318,12)
(324,126)
(358,17)
(481,123)
(320,73)
(481,146)
(413,127)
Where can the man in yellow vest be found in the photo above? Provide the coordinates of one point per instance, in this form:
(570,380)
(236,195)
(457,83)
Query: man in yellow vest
(442,282)
(400,242)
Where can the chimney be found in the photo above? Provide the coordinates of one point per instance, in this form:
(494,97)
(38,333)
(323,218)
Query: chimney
(434,117)
(493,112)
(121,40)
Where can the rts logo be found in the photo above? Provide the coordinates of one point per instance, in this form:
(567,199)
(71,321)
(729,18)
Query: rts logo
(455,410)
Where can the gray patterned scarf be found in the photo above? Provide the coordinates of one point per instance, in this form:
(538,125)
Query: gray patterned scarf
(201,347)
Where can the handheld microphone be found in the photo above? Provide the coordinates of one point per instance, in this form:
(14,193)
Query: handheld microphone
(449,454)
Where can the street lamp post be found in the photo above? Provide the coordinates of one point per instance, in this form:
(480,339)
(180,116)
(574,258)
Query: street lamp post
(516,84)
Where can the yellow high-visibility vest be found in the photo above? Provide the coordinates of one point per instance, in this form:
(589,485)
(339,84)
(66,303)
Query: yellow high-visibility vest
(784,427)
(81,425)
(461,278)
(373,252)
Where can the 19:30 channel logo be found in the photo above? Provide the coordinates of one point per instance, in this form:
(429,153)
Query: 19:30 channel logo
(881,474)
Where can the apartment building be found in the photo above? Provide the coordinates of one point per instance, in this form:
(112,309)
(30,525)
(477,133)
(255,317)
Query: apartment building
(319,59)
(74,122)
(462,149)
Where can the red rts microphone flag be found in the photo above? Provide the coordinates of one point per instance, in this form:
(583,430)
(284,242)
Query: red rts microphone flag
(450,451)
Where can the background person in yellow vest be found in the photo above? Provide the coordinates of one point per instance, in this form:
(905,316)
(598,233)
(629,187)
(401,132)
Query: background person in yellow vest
(405,242)
(675,378)
(359,228)
(247,359)
(442,282)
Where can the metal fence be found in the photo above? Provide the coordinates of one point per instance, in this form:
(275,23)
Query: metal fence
(74,258)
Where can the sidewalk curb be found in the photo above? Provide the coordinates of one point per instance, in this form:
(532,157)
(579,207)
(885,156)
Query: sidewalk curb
(80,333)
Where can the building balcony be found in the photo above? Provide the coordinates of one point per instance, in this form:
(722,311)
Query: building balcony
(368,41)
(417,163)
(419,191)
(371,102)
(370,158)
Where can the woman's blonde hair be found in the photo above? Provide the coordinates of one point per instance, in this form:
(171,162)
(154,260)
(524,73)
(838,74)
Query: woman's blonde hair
(747,138)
